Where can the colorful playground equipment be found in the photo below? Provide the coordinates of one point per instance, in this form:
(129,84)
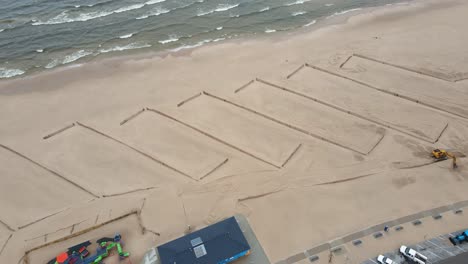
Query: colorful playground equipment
(79,254)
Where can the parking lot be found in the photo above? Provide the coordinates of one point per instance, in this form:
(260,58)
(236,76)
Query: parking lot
(438,250)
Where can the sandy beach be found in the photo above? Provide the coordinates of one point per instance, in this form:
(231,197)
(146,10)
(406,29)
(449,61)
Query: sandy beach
(311,135)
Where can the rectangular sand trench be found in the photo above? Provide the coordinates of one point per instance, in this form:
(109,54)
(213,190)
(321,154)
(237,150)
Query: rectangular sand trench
(134,241)
(428,91)
(317,119)
(387,110)
(29,193)
(256,136)
(172,143)
(103,166)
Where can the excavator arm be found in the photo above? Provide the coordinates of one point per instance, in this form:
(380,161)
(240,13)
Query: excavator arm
(454,159)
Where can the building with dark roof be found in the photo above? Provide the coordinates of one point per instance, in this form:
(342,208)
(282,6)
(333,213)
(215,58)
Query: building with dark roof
(219,243)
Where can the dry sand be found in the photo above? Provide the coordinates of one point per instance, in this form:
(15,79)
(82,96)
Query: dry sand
(312,135)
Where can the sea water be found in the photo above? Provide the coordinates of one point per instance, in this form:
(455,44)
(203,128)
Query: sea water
(38,35)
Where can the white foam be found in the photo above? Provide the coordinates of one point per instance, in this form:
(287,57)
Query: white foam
(270,30)
(226,7)
(344,12)
(218,39)
(221,8)
(1,30)
(298,13)
(76,56)
(193,46)
(186,47)
(52,64)
(152,2)
(65,17)
(298,2)
(157,12)
(39,50)
(264,9)
(8,73)
(128,8)
(126,36)
(219,28)
(169,40)
(329,5)
(310,23)
(126,47)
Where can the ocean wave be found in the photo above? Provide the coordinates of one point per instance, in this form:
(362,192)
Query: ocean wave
(8,73)
(221,8)
(126,36)
(310,23)
(219,28)
(298,2)
(65,17)
(52,64)
(39,50)
(76,56)
(152,2)
(344,12)
(328,5)
(201,43)
(169,40)
(256,12)
(299,13)
(126,47)
(154,13)
(270,30)
(68,59)
(1,30)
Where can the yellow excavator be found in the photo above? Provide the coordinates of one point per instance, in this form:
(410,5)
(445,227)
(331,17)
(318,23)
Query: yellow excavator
(440,154)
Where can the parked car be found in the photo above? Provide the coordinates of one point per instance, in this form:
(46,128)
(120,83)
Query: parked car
(384,260)
(413,255)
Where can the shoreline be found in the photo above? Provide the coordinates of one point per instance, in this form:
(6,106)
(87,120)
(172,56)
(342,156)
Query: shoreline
(312,135)
(339,18)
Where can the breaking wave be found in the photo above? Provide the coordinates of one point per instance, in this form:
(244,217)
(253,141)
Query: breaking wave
(201,43)
(76,56)
(152,2)
(68,59)
(344,12)
(220,8)
(169,40)
(299,13)
(65,17)
(8,73)
(154,13)
(126,47)
(310,23)
(126,36)
(298,2)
